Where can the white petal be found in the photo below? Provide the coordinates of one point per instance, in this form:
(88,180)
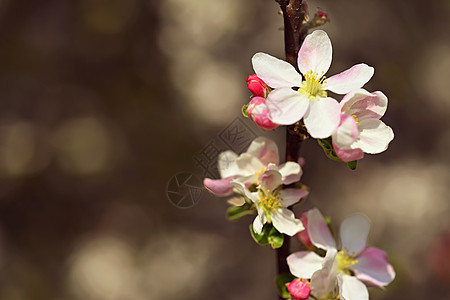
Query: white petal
(275,72)
(364,105)
(373,267)
(303,264)
(324,281)
(265,149)
(285,222)
(349,80)
(259,222)
(270,180)
(346,133)
(315,54)
(318,231)
(351,288)
(226,164)
(239,185)
(249,164)
(292,196)
(323,117)
(286,106)
(374,136)
(354,231)
(290,172)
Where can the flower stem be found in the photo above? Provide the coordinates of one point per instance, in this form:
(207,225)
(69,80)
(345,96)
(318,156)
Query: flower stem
(294,35)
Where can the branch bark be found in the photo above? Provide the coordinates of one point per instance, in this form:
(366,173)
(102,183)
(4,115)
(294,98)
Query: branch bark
(295,32)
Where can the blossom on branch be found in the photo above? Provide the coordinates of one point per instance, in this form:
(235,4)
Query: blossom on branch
(308,99)
(345,272)
(360,129)
(272,202)
(258,112)
(249,166)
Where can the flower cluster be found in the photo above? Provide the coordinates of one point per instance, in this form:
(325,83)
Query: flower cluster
(353,123)
(258,179)
(345,272)
(261,186)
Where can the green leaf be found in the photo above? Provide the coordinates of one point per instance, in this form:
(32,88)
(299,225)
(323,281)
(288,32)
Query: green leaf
(244,110)
(261,239)
(352,164)
(275,238)
(269,236)
(327,146)
(237,212)
(281,282)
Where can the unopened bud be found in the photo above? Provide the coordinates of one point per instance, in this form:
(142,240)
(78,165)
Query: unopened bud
(303,235)
(299,290)
(320,18)
(258,112)
(257,86)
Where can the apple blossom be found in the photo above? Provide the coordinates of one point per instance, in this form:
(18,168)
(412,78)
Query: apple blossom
(350,268)
(272,202)
(257,86)
(360,129)
(321,114)
(249,166)
(257,112)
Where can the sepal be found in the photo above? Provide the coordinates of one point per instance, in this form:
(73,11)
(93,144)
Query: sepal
(327,146)
(237,212)
(281,283)
(269,236)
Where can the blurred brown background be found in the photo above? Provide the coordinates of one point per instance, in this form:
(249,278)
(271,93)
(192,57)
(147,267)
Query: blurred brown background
(103,101)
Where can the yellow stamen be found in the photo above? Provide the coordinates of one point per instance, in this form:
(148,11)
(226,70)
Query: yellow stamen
(356,119)
(312,85)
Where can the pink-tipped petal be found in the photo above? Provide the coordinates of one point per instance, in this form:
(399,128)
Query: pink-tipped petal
(315,54)
(303,264)
(347,155)
(270,180)
(323,117)
(290,172)
(318,231)
(303,235)
(354,230)
(265,149)
(292,196)
(346,133)
(349,80)
(374,136)
(286,106)
(275,72)
(373,267)
(364,105)
(219,187)
(351,288)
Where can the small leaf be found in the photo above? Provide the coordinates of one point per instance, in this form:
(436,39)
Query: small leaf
(244,110)
(352,164)
(237,212)
(327,146)
(261,239)
(281,282)
(275,238)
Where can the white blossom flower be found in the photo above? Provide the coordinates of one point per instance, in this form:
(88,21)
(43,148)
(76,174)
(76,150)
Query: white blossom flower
(249,166)
(346,271)
(271,202)
(321,114)
(360,129)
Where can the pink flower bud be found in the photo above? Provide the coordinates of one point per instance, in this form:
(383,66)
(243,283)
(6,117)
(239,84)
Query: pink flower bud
(321,17)
(257,86)
(303,235)
(299,290)
(257,112)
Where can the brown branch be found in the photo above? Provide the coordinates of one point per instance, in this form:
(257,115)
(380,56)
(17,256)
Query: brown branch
(295,32)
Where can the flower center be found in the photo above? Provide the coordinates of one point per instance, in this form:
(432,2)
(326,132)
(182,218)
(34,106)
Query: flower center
(344,262)
(269,202)
(312,85)
(356,119)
